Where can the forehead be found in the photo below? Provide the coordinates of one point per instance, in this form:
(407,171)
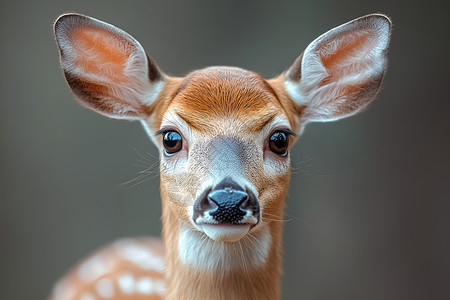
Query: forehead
(211,95)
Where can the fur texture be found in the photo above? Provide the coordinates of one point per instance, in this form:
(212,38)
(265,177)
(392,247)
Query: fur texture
(225,117)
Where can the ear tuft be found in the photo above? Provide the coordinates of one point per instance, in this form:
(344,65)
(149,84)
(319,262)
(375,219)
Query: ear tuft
(106,68)
(341,71)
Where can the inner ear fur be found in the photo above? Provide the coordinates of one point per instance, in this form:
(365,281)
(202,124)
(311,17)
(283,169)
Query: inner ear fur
(106,68)
(341,71)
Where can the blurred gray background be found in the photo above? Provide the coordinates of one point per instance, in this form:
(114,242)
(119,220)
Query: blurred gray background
(369,200)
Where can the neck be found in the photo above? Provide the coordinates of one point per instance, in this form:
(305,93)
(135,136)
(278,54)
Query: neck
(200,268)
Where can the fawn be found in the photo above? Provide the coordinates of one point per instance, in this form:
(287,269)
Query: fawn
(224,135)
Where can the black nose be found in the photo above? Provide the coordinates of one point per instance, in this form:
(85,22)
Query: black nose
(227,203)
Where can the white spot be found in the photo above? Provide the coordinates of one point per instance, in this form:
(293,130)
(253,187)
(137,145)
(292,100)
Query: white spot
(251,250)
(105,288)
(145,286)
(139,255)
(92,268)
(160,287)
(127,283)
(87,296)
(64,290)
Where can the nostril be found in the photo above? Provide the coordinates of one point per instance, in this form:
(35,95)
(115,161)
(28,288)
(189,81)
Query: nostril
(207,204)
(245,204)
(251,204)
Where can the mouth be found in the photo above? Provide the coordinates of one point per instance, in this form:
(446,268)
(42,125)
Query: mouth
(225,232)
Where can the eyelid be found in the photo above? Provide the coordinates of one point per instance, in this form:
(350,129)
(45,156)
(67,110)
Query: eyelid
(162,131)
(286,131)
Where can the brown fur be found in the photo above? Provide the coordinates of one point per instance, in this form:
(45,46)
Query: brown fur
(216,92)
(226,109)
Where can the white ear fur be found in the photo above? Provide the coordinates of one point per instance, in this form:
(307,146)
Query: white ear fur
(340,72)
(106,68)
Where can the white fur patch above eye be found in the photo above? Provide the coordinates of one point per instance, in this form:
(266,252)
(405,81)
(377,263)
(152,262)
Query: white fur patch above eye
(252,250)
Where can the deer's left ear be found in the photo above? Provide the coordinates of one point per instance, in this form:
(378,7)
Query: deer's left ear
(340,72)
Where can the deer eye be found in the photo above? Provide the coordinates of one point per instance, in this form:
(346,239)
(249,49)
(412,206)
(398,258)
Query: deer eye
(172,142)
(278,143)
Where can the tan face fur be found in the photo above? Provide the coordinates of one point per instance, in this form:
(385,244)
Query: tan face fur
(225,117)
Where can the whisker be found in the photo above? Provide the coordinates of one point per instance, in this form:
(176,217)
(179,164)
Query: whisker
(276,220)
(143,157)
(291,218)
(148,171)
(303,168)
(135,182)
(152,156)
(264,214)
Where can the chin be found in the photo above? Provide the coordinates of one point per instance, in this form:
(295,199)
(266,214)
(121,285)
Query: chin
(225,232)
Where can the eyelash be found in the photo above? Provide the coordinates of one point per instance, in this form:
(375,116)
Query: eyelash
(162,131)
(286,131)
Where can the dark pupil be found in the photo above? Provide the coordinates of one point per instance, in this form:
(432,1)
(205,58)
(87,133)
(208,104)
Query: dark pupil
(171,139)
(279,140)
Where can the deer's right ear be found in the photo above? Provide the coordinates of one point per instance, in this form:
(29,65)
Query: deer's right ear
(106,68)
